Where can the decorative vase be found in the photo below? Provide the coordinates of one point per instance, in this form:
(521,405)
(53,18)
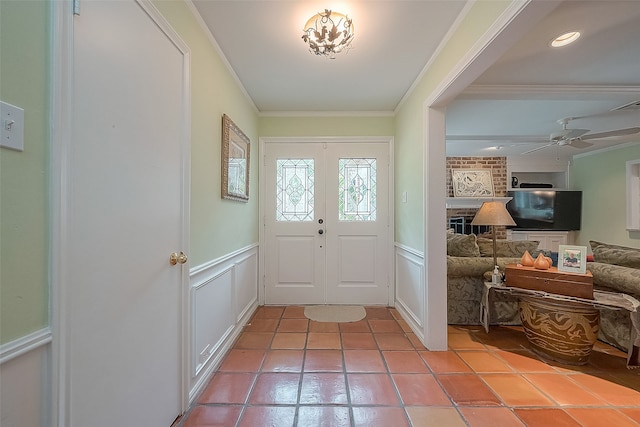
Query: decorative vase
(541,262)
(527,259)
(559,330)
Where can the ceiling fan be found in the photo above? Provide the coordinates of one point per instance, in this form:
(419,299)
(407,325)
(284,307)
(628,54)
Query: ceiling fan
(578,138)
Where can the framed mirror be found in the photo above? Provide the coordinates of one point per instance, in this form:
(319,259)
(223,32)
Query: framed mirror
(235,161)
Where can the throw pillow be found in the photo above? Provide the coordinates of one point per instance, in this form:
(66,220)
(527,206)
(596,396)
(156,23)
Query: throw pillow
(614,254)
(462,245)
(507,248)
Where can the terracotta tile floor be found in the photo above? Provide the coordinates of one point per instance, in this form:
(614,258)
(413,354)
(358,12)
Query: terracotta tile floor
(285,370)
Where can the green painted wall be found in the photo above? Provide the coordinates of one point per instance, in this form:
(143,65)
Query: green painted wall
(409,128)
(218,226)
(24,233)
(326,126)
(602,179)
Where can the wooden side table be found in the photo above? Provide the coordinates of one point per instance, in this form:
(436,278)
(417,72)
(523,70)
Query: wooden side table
(571,313)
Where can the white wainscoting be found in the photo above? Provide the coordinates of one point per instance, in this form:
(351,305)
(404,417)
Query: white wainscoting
(409,268)
(224,295)
(25,369)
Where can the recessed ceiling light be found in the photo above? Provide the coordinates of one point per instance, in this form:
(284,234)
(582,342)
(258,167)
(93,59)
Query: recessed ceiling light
(565,39)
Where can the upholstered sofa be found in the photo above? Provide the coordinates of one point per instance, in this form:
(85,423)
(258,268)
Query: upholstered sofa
(469,264)
(615,269)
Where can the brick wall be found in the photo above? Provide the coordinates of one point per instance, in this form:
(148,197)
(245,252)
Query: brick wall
(498,166)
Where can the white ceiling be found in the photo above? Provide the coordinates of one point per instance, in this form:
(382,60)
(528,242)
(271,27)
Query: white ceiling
(514,105)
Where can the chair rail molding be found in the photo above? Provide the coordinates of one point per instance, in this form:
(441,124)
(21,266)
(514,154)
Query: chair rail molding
(24,344)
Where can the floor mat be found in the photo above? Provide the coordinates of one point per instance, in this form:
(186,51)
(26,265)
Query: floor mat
(335,313)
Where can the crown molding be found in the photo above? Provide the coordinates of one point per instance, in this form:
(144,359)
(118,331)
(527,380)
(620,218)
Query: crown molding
(326,114)
(545,91)
(214,43)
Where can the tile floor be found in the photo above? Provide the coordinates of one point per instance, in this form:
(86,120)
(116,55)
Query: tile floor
(285,370)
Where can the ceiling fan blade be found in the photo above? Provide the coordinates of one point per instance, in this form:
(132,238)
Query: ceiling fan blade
(618,132)
(575,133)
(579,143)
(539,148)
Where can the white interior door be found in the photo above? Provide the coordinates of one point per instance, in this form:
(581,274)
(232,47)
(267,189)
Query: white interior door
(126,208)
(326,223)
(357,213)
(294,209)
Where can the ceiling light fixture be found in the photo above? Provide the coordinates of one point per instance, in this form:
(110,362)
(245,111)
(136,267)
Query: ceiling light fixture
(328,33)
(565,39)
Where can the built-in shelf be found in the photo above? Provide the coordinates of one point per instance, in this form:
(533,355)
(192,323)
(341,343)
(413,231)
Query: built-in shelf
(550,240)
(472,202)
(555,173)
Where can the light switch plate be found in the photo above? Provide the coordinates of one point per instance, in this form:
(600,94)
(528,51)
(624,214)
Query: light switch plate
(11,126)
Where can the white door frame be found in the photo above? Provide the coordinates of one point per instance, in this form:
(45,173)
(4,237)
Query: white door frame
(264,141)
(61,108)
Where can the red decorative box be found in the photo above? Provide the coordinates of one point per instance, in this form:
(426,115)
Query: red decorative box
(551,281)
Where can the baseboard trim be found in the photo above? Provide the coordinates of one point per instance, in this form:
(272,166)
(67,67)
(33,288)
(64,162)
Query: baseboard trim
(408,317)
(25,344)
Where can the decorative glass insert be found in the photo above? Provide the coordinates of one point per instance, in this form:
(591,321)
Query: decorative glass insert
(357,189)
(294,191)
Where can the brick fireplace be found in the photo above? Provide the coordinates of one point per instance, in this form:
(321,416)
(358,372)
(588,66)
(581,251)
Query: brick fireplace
(498,167)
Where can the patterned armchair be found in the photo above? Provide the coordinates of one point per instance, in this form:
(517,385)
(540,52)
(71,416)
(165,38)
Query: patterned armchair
(469,265)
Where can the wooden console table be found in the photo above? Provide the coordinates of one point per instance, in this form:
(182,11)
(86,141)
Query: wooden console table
(608,300)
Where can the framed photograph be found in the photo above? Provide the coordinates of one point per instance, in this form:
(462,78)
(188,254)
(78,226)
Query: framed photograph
(235,162)
(572,259)
(472,182)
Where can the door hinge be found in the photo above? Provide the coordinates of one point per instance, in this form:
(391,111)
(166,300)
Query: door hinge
(76,7)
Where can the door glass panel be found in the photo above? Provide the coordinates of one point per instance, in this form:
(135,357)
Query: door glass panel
(294,192)
(357,189)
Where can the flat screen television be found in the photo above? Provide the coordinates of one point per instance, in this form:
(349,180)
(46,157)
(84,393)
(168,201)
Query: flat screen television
(542,209)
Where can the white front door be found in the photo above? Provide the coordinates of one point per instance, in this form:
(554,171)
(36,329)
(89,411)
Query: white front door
(126,215)
(327,223)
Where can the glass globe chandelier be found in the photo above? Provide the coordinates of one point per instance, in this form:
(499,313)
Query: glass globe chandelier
(328,33)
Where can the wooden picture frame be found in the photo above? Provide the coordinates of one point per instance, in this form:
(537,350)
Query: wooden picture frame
(572,259)
(472,182)
(235,161)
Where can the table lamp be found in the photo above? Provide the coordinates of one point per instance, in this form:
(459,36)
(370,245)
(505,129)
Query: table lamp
(493,213)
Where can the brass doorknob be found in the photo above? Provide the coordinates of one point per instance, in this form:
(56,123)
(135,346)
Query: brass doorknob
(177,258)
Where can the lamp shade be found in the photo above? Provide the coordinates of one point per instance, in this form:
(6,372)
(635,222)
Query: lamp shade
(493,213)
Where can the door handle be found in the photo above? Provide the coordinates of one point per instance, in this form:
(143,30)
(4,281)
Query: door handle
(177,258)
(321,231)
